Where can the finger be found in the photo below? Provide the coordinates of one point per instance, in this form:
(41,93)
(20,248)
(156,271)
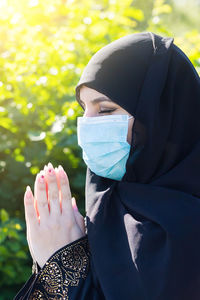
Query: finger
(29,242)
(41,197)
(79,218)
(46,183)
(65,193)
(59,191)
(36,208)
(28,201)
(30,212)
(53,192)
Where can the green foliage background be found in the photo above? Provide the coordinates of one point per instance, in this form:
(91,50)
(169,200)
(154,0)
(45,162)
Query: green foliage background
(44,46)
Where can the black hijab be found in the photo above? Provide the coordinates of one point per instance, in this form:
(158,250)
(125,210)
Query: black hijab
(144,231)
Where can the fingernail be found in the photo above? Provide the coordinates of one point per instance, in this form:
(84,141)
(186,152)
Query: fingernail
(41,178)
(28,192)
(74,204)
(56,169)
(61,171)
(50,171)
(50,165)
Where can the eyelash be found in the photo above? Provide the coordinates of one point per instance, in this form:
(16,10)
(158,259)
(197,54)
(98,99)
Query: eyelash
(107,111)
(104,111)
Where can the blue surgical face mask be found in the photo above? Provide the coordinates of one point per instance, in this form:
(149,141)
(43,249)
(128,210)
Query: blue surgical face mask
(104,144)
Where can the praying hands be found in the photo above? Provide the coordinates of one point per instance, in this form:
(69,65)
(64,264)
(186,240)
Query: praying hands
(52,217)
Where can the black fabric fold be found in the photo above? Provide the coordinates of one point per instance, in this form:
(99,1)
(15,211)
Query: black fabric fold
(27,288)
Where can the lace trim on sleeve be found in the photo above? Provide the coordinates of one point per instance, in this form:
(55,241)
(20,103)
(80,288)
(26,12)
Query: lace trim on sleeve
(65,268)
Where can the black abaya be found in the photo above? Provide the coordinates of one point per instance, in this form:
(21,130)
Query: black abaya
(144,231)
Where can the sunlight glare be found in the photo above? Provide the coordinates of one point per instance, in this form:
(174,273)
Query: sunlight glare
(33,3)
(3,3)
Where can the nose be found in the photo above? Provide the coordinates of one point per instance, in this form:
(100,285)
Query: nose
(90,112)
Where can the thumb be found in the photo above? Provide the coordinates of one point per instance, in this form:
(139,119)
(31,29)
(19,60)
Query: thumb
(79,218)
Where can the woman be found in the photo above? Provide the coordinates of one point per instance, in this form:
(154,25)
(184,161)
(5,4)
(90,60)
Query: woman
(142,148)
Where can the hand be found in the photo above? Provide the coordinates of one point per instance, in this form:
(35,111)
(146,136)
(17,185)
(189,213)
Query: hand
(52,217)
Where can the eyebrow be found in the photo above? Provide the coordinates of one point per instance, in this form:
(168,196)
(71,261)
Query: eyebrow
(98,100)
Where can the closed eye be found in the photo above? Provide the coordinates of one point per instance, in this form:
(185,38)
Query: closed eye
(107,111)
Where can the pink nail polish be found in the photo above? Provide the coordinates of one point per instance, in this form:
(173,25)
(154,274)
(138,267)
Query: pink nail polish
(28,192)
(41,178)
(61,172)
(51,171)
(50,165)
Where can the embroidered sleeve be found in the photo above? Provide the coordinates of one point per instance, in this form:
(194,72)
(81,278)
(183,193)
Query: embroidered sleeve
(64,270)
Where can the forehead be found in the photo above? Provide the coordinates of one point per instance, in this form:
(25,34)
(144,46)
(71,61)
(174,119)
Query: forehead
(88,95)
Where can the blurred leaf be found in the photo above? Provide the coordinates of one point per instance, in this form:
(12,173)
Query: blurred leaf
(2,236)
(4,215)
(134,13)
